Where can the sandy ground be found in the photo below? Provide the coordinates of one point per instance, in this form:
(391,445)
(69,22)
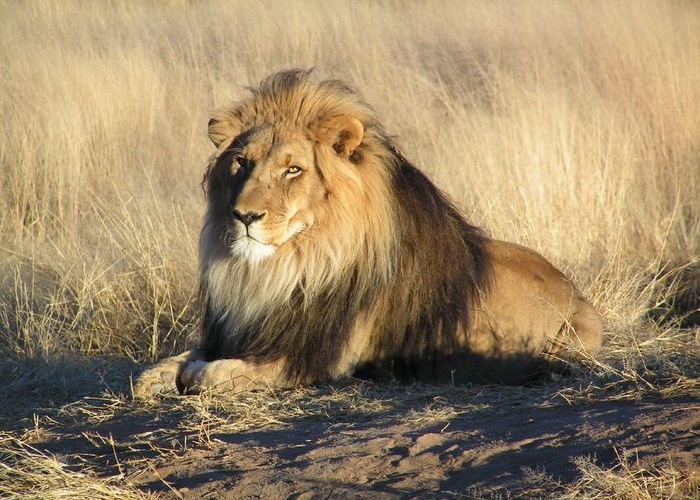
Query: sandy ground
(399,452)
(478,454)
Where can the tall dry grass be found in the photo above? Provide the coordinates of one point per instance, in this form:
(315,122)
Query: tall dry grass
(572,127)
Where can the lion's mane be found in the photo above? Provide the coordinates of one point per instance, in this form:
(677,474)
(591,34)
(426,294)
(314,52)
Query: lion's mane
(388,246)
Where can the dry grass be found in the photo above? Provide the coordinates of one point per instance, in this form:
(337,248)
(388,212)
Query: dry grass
(571,127)
(28,473)
(628,480)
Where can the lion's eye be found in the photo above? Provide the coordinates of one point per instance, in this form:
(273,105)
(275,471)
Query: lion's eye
(292,171)
(244,163)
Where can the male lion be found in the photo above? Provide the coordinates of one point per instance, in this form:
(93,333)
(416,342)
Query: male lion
(325,253)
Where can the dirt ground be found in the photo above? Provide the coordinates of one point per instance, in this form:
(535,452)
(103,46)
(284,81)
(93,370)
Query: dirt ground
(485,455)
(387,443)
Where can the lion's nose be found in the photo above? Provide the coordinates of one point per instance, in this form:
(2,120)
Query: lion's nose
(248,218)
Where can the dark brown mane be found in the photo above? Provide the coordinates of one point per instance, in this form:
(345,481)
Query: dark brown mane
(438,288)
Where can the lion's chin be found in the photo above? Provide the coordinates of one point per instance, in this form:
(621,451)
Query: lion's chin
(251,250)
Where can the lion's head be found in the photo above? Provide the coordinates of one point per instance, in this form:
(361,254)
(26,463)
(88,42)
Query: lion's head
(277,181)
(270,189)
(297,188)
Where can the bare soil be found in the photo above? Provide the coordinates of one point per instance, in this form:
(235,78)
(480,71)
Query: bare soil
(394,442)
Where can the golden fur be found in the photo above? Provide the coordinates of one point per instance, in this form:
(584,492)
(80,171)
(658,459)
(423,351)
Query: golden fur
(325,253)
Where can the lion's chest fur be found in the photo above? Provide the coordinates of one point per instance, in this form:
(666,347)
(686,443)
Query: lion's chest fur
(266,312)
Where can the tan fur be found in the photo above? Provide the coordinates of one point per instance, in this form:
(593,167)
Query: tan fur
(325,253)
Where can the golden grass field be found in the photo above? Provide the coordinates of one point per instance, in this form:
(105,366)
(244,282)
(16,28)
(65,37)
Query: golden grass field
(570,127)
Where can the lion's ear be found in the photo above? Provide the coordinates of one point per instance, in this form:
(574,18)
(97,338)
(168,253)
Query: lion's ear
(222,128)
(342,132)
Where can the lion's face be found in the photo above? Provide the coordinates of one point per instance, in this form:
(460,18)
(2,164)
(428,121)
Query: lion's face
(269,187)
(273,188)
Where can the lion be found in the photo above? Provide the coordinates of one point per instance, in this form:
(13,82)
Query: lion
(325,253)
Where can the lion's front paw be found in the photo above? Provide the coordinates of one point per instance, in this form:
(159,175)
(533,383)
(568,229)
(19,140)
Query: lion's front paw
(163,377)
(223,375)
(160,379)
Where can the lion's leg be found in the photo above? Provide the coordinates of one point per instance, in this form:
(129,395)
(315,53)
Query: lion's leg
(231,375)
(587,329)
(162,377)
(578,338)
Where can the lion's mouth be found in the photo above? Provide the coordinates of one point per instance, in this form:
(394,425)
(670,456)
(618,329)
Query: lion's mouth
(251,249)
(257,243)
(251,237)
